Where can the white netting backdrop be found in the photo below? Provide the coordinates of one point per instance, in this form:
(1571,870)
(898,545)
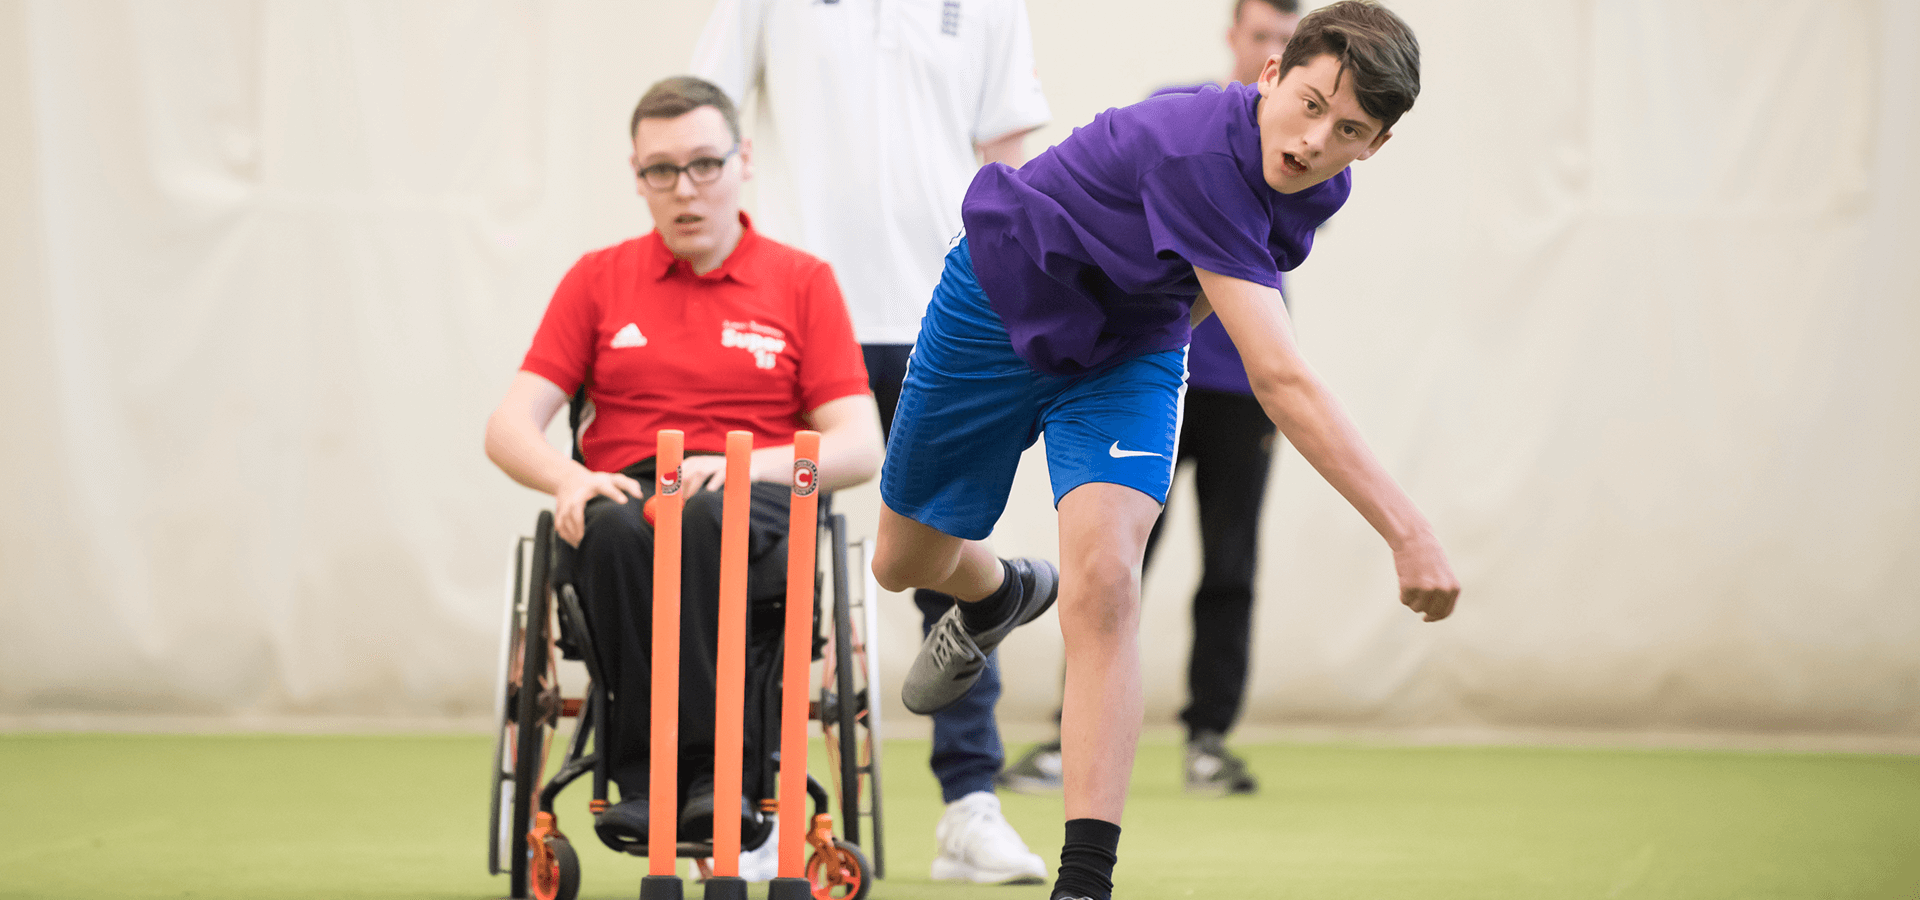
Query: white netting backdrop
(1627,304)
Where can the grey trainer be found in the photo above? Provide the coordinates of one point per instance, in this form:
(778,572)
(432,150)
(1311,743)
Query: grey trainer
(1038,772)
(951,659)
(1214,770)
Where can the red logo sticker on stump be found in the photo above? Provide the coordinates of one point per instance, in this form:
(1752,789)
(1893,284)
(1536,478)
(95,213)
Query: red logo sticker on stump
(805,476)
(670,482)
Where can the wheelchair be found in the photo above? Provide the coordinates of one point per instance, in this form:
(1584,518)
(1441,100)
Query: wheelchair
(545,623)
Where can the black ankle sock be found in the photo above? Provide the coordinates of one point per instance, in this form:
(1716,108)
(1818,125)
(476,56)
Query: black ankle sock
(994,609)
(1086,860)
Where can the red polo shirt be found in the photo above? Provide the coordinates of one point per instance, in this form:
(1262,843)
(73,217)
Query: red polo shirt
(751,345)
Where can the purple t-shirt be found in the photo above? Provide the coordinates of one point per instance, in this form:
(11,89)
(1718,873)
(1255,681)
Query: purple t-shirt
(1213,362)
(1087,252)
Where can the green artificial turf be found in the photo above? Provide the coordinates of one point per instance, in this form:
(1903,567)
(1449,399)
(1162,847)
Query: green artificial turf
(136,816)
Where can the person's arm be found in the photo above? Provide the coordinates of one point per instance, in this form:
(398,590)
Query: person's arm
(517,443)
(728,51)
(1009,148)
(1010,104)
(1318,426)
(850,444)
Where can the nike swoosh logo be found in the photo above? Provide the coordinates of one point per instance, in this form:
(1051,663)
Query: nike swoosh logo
(1117,453)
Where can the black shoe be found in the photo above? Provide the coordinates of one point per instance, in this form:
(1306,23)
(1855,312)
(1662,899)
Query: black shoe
(623,826)
(696,819)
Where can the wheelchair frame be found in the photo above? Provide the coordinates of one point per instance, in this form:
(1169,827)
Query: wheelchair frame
(523,837)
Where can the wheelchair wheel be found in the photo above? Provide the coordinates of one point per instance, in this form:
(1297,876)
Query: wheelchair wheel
(529,712)
(867,659)
(839,873)
(842,731)
(849,721)
(499,789)
(556,870)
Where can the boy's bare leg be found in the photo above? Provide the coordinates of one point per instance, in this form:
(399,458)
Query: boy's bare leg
(911,555)
(1103,535)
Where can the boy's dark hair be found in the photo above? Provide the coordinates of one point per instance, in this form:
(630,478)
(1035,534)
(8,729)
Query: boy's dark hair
(1288,7)
(671,98)
(1373,45)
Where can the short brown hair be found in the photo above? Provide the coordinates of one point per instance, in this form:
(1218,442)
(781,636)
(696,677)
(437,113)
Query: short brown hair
(671,98)
(1284,7)
(1373,45)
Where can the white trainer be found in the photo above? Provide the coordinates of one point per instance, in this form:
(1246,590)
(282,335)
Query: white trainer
(977,845)
(762,863)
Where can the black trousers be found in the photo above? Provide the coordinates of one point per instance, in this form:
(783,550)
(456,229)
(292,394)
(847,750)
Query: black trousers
(1229,440)
(613,572)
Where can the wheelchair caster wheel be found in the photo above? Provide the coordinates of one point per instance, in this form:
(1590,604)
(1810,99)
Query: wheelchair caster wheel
(555,870)
(839,872)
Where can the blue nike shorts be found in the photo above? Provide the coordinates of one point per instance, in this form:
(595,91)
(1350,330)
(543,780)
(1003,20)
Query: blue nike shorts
(970,406)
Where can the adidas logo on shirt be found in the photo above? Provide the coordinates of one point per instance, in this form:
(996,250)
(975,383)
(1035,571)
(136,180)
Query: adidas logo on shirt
(629,336)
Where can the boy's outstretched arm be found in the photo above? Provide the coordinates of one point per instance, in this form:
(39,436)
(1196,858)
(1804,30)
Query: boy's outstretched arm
(1318,426)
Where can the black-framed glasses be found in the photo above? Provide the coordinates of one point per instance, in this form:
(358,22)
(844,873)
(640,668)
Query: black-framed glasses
(664,176)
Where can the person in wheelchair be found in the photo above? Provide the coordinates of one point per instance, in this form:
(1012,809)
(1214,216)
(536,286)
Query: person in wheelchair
(704,325)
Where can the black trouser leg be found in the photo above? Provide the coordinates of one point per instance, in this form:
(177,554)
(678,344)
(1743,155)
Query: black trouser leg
(886,371)
(1230,440)
(614,574)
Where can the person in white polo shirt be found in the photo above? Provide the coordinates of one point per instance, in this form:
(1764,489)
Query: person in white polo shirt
(872,117)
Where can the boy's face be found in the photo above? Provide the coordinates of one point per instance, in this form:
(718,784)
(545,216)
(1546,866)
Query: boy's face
(697,221)
(1309,128)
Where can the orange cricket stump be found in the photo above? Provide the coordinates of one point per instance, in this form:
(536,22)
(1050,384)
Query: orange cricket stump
(802,533)
(663,806)
(730,696)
